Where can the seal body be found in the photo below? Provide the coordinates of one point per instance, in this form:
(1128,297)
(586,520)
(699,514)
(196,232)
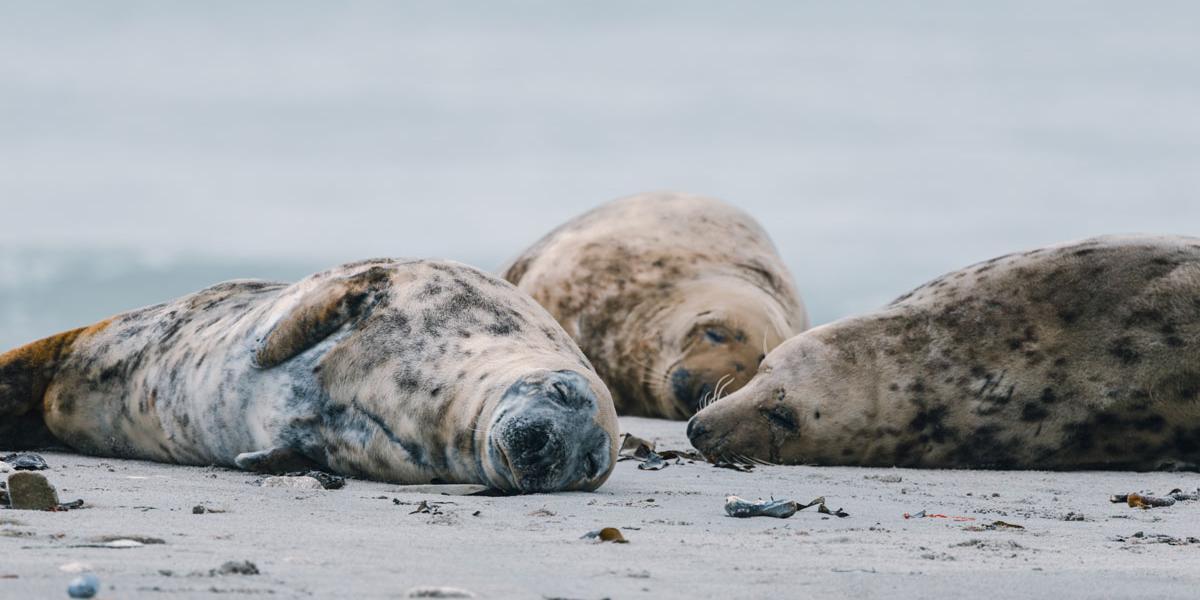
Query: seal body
(675,298)
(403,371)
(1083,355)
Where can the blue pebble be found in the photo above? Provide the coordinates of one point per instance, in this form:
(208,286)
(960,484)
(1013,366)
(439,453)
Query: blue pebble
(84,586)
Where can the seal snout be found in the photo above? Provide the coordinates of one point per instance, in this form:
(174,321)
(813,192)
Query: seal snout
(545,438)
(701,436)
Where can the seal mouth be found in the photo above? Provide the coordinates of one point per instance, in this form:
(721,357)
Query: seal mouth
(544,436)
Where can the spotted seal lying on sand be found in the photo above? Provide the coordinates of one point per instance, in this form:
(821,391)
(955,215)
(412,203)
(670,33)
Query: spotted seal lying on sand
(406,371)
(1083,355)
(675,298)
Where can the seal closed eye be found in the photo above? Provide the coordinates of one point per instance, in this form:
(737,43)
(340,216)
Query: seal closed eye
(675,298)
(406,371)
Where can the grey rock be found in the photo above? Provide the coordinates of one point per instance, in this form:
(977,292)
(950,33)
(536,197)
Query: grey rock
(31,491)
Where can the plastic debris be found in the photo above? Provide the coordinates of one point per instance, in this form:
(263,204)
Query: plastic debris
(780,509)
(25,461)
(653,462)
(742,509)
(607,534)
(84,586)
(634,448)
(643,451)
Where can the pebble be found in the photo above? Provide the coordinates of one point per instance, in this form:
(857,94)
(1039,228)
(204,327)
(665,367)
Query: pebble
(84,586)
(438,592)
(296,483)
(5,467)
(31,491)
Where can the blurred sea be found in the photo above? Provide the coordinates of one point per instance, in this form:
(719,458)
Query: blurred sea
(148,149)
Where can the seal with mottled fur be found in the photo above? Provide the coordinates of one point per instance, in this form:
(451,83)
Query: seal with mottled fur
(402,371)
(1077,356)
(675,298)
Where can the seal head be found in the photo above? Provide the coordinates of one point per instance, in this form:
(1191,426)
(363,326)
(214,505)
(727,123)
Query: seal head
(543,436)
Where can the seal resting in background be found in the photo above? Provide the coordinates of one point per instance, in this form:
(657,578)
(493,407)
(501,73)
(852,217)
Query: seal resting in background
(1078,356)
(403,371)
(675,298)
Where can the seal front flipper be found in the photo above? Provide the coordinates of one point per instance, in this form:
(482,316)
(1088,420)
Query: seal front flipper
(276,461)
(318,313)
(25,374)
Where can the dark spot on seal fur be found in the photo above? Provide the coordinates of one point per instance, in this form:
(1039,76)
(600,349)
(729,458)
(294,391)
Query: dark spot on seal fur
(984,448)
(1032,412)
(1123,349)
(781,416)
(931,421)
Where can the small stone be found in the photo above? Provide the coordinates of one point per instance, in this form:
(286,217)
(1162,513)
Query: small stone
(31,491)
(438,592)
(236,567)
(296,483)
(25,461)
(5,467)
(198,510)
(84,586)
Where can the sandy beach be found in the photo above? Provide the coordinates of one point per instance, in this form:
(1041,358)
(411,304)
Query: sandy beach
(366,541)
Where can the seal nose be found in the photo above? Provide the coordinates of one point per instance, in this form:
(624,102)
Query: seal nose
(546,434)
(696,430)
(689,388)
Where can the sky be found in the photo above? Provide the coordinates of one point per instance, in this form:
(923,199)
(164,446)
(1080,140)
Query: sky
(149,149)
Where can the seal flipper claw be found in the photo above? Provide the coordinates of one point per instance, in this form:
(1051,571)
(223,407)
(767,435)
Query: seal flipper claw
(275,461)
